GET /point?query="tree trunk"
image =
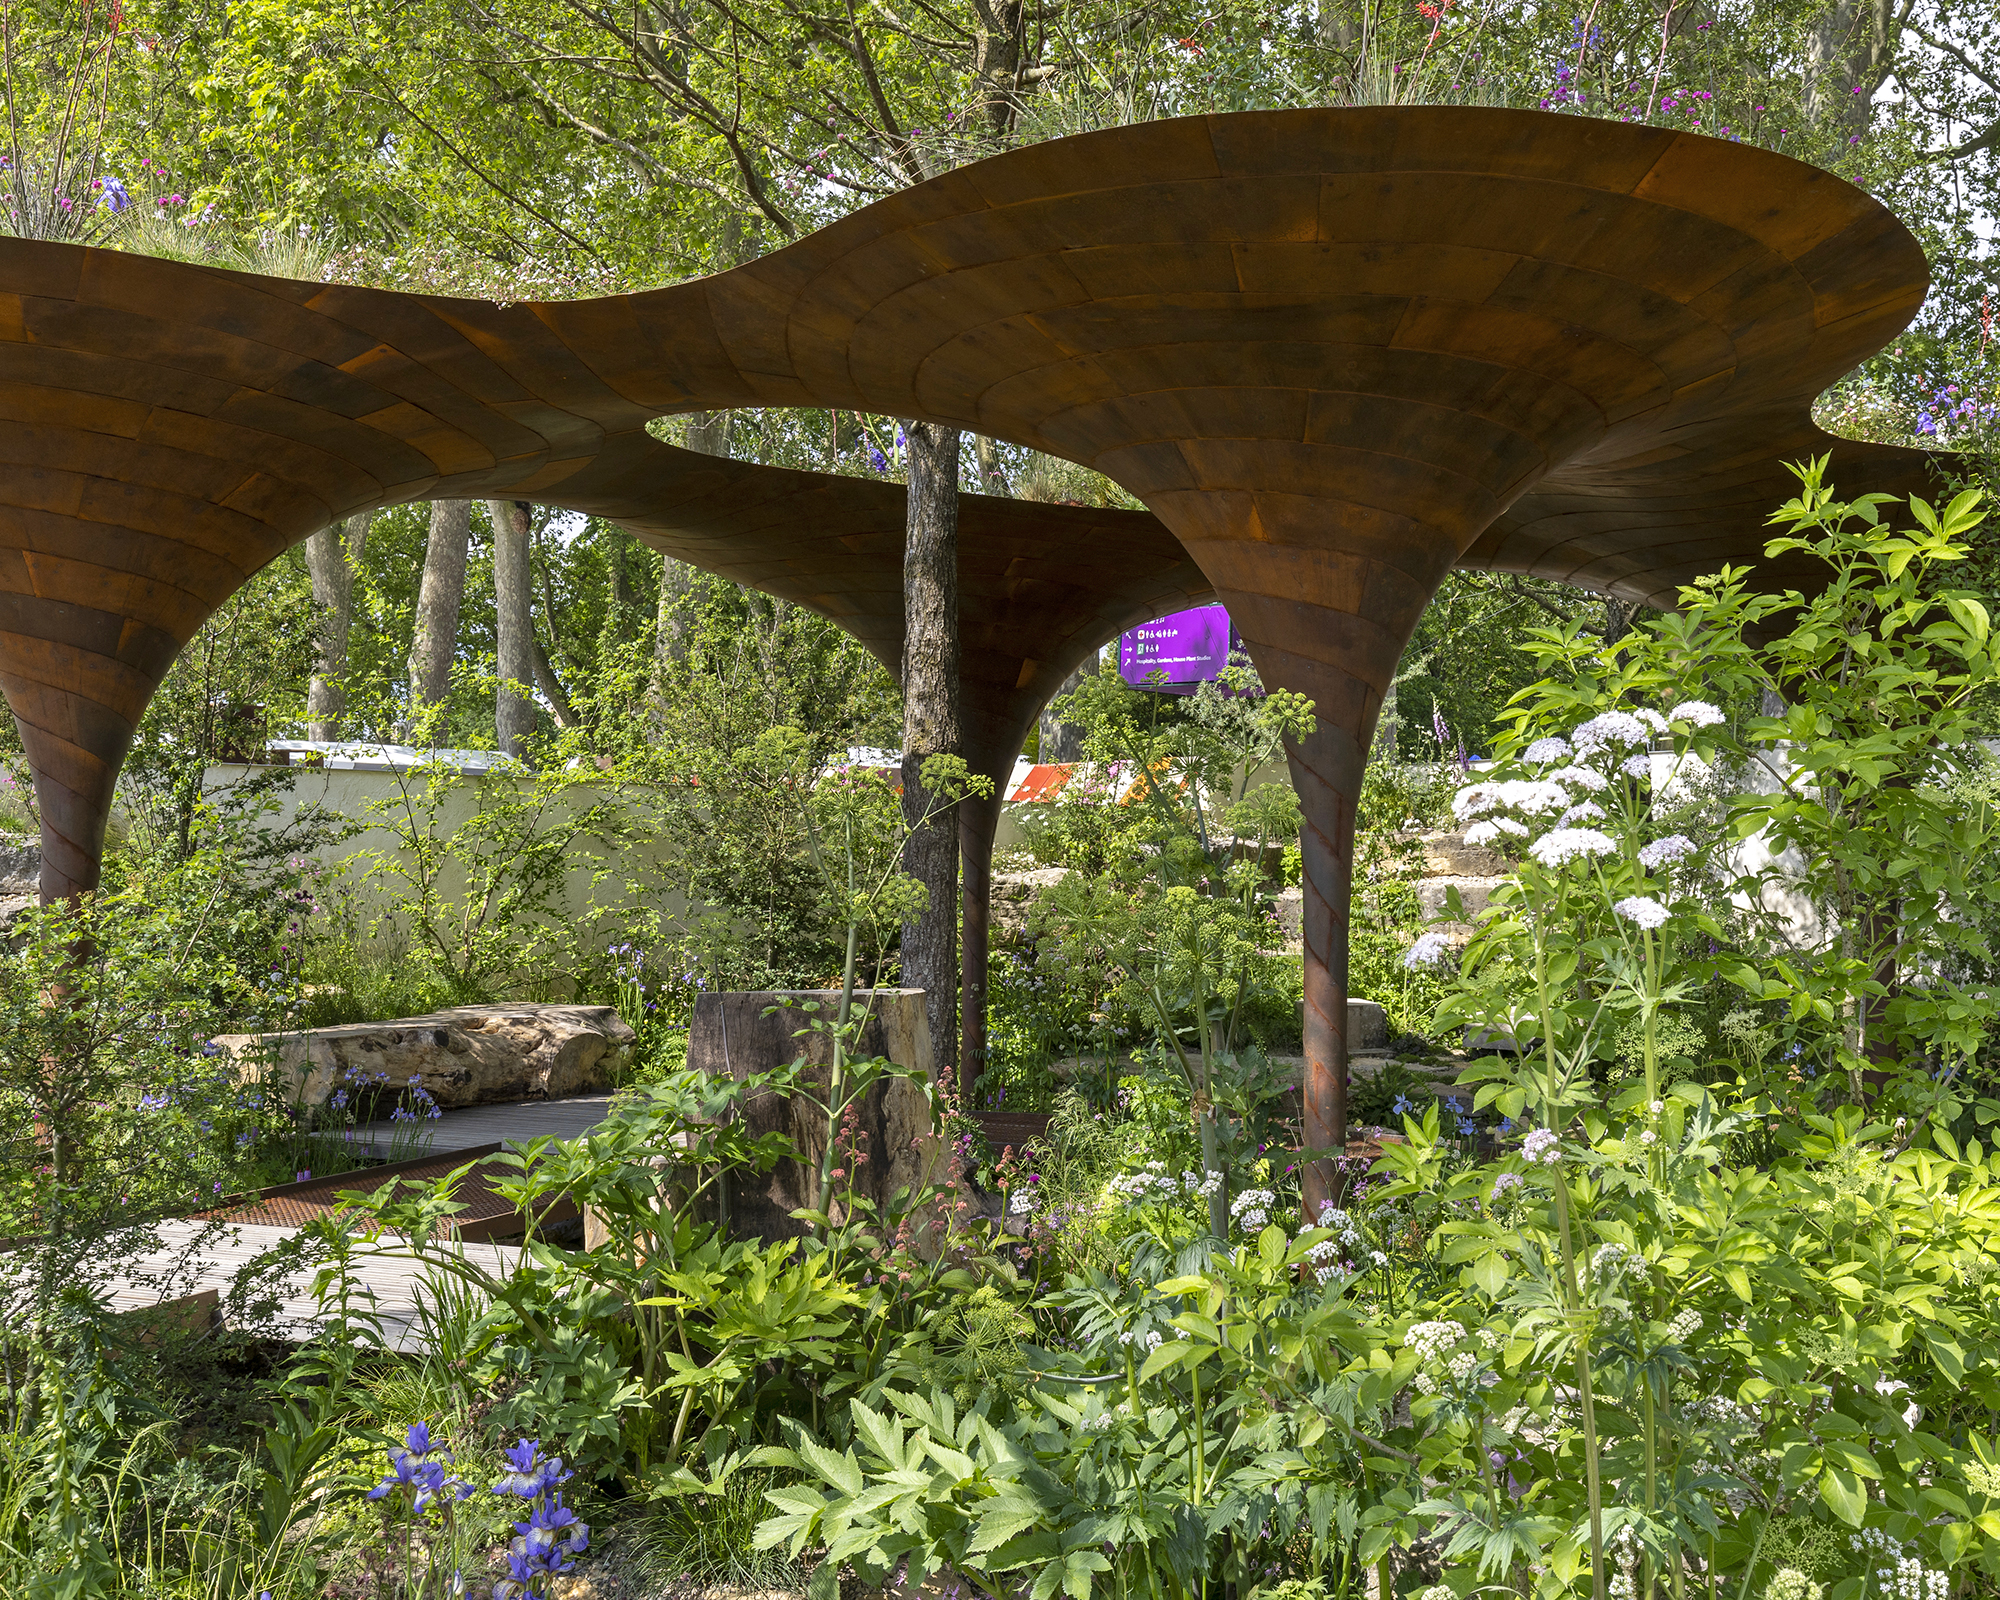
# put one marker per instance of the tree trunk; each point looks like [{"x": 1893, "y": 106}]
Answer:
[
  {"x": 1618, "y": 615},
  {"x": 708, "y": 432},
  {"x": 443, "y": 588},
  {"x": 332, "y": 554},
  {"x": 992, "y": 475},
  {"x": 1061, "y": 741},
  {"x": 513, "y": 706},
  {"x": 1853, "y": 46},
  {"x": 931, "y": 726},
  {"x": 996, "y": 66},
  {"x": 551, "y": 685}
]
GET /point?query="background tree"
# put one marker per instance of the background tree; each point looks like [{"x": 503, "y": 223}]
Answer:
[{"x": 331, "y": 557}]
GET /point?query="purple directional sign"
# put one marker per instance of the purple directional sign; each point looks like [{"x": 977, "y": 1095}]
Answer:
[{"x": 1190, "y": 647}]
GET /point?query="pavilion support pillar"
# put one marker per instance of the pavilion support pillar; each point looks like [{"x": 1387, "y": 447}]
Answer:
[{"x": 1332, "y": 626}]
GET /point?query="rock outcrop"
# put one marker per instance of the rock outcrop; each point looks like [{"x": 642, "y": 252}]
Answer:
[
  {"x": 1015, "y": 895},
  {"x": 467, "y": 1056}
]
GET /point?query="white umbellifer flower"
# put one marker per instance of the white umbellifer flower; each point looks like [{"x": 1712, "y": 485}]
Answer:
[
  {"x": 1684, "y": 1327},
  {"x": 1474, "y": 800},
  {"x": 1437, "y": 1591},
  {"x": 1610, "y": 728},
  {"x": 1426, "y": 1384},
  {"x": 1652, "y": 719},
  {"x": 1022, "y": 1203},
  {"x": 1655, "y": 1107},
  {"x": 1430, "y": 950},
  {"x": 1564, "y": 845},
  {"x": 1589, "y": 811},
  {"x": 1546, "y": 750},
  {"x": 1509, "y": 825},
  {"x": 1432, "y": 1340},
  {"x": 1647, "y": 913},
  {"x": 1609, "y": 1260},
  {"x": 1488, "y": 1339},
  {"x": 1649, "y": 1138},
  {"x": 1543, "y": 1146},
  {"x": 1537, "y": 799},
  {"x": 1481, "y": 833},
  {"x": 1581, "y": 777},
  {"x": 1696, "y": 713},
  {"x": 1252, "y": 1208},
  {"x": 1209, "y": 1185},
  {"x": 1638, "y": 766},
  {"x": 1665, "y": 852},
  {"x": 1462, "y": 1366}
]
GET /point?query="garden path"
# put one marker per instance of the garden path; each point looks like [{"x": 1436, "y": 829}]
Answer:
[{"x": 197, "y": 1258}]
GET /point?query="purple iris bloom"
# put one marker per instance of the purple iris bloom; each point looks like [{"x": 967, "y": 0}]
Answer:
[
  {"x": 529, "y": 1472},
  {"x": 1925, "y": 424}
]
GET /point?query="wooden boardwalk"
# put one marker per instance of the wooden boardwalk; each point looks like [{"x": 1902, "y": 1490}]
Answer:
[{"x": 197, "y": 1256}]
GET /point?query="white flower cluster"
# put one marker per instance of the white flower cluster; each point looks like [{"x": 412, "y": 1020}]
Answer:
[
  {"x": 1151, "y": 1182},
  {"x": 1615, "y": 1261},
  {"x": 1542, "y": 1146},
  {"x": 1105, "y": 1420},
  {"x": 1901, "y": 1576},
  {"x": 1325, "y": 1256},
  {"x": 1646, "y": 912},
  {"x": 1609, "y": 729},
  {"x": 1431, "y": 1340},
  {"x": 1022, "y": 1203},
  {"x": 1696, "y": 714},
  {"x": 1152, "y": 1341},
  {"x": 1251, "y": 1210},
  {"x": 1430, "y": 950},
  {"x": 1536, "y": 797},
  {"x": 1588, "y": 778},
  {"x": 1684, "y": 1327},
  {"x": 1543, "y": 751},
  {"x": 1564, "y": 845},
  {"x": 1665, "y": 852},
  {"x": 1788, "y": 1583}
]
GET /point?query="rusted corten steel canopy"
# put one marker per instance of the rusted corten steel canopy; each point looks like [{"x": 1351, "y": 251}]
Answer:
[{"x": 1335, "y": 351}]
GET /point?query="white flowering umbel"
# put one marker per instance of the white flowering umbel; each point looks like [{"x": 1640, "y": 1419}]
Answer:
[
  {"x": 1898, "y": 1574},
  {"x": 1251, "y": 1210},
  {"x": 1788, "y": 1583}
]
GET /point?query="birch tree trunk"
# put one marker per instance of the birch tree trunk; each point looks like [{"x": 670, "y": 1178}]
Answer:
[
  {"x": 708, "y": 432},
  {"x": 438, "y": 599},
  {"x": 931, "y": 726},
  {"x": 514, "y": 705},
  {"x": 332, "y": 554}
]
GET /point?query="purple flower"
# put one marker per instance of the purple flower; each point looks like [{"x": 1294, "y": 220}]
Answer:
[
  {"x": 529, "y": 1472},
  {"x": 1925, "y": 425}
]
